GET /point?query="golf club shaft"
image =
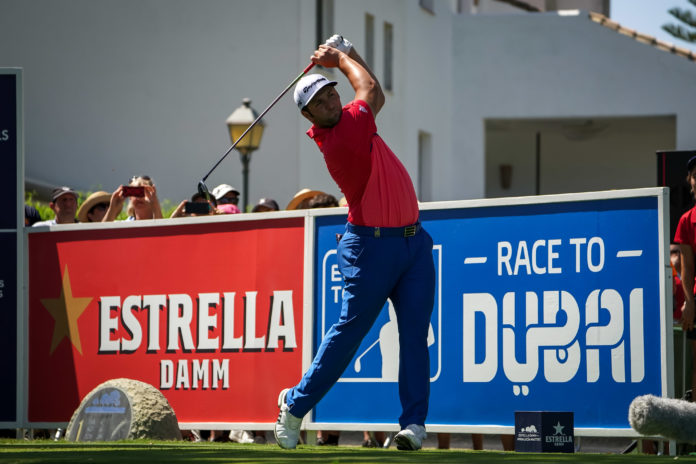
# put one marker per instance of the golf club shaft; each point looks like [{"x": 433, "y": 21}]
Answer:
[{"x": 306, "y": 70}]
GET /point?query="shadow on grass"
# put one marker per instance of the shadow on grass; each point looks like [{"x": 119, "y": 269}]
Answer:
[{"x": 208, "y": 453}]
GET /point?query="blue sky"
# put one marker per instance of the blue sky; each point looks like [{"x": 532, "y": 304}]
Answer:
[{"x": 648, "y": 16}]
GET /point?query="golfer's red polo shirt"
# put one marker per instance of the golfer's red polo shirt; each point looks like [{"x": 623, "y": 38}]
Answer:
[{"x": 376, "y": 185}]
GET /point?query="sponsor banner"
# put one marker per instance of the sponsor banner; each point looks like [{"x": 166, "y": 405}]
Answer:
[
  {"x": 9, "y": 273},
  {"x": 544, "y": 431},
  {"x": 8, "y": 327},
  {"x": 8, "y": 150},
  {"x": 554, "y": 306},
  {"x": 210, "y": 313}
]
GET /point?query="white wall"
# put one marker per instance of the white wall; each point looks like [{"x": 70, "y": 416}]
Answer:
[
  {"x": 121, "y": 87},
  {"x": 116, "y": 88},
  {"x": 584, "y": 70},
  {"x": 427, "y": 95}
]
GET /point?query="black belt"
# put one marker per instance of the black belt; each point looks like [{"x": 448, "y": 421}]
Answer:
[{"x": 377, "y": 232}]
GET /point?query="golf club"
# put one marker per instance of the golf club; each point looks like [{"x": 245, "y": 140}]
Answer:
[{"x": 202, "y": 188}]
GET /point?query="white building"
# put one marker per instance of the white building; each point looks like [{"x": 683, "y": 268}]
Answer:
[{"x": 556, "y": 101}]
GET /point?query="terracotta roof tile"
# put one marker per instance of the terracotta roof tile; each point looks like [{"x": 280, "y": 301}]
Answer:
[{"x": 643, "y": 38}]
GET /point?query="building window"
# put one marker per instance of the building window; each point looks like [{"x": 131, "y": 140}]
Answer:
[
  {"x": 427, "y": 5},
  {"x": 325, "y": 23},
  {"x": 425, "y": 167},
  {"x": 388, "y": 57},
  {"x": 370, "y": 40}
]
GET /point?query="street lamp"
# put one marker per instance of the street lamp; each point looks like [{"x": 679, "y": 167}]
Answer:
[{"x": 238, "y": 122}]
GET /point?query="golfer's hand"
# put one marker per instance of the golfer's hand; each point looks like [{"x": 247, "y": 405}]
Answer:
[
  {"x": 326, "y": 56},
  {"x": 340, "y": 43},
  {"x": 688, "y": 315}
]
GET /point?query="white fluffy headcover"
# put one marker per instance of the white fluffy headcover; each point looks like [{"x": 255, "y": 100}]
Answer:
[{"x": 675, "y": 419}]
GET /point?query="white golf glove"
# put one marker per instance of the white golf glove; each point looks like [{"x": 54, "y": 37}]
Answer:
[{"x": 339, "y": 43}]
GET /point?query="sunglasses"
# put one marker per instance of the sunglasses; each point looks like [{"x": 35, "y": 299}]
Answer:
[
  {"x": 139, "y": 177},
  {"x": 224, "y": 200}
]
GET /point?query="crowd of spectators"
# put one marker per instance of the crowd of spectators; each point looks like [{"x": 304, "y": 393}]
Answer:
[{"x": 140, "y": 199}]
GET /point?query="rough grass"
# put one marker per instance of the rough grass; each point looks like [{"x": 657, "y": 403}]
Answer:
[{"x": 134, "y": 452}]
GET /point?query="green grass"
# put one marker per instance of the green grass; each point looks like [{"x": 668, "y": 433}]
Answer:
[{"x": 134, "y": 452}]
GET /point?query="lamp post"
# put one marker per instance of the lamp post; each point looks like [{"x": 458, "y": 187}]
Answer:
[{"x": 237, "y": 123}]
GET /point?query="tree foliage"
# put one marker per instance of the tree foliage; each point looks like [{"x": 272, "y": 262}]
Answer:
[{"x": 687, "y": 29}]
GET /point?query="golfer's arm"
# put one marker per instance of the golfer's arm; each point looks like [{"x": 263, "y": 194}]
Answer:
[{"x": 363, "y": 81}]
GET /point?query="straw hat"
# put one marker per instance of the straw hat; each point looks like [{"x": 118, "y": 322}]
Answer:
[
  {"x": 91, "y": 201},
  {"x": 303, "y": 195}
]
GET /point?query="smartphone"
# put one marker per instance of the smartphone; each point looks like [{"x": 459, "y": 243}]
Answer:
[
  {"x": 131, "y": 191},
  {"x": 196, "y": 207}
]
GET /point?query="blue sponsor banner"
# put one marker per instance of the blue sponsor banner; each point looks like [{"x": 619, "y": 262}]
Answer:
[{"x": 539, "y": 307}]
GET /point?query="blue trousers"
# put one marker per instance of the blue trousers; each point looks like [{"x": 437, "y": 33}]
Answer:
[{"x": 374, "y": 269}]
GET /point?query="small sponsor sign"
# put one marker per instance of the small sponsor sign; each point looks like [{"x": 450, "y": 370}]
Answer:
[
  {"x": 544, "y": 431},
  {"x": 105, "y": 416}
]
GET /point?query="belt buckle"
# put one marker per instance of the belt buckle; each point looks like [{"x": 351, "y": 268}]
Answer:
[{"x": 410, "y": 231}]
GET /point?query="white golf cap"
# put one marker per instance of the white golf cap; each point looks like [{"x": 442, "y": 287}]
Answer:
[
  {"x": 308, "y": 86},
  {"x": 222, "y": 189}
]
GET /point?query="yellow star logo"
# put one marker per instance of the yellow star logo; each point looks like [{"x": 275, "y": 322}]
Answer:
[{"x": 65, "y": 310}]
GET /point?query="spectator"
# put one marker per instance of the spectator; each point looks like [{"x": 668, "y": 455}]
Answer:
[
  {"x": 226, "y": 194},
  {"x": 677, "y": 290},
  {"x": 685, "y": 236},
  {"x": 139, "y": 208},
  {"x": 323, "y": 200},
  {"x": 31, "y": 215},
  {"x": 64, "y": 205},
  {"x": 197, "y": 197},
  {"x": 227, "y": 208},
  {"x": 508, "y": 441},
  {"x": 227, "y": 198},
  {"x": 374, "y": 439},
  {"x": 302, "y": 198},
  {"x": 94, "y": 207},
  {"x": 264, "y": 205}
]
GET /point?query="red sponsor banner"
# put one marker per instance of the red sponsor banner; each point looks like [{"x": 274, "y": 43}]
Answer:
[{"x": 209, "y": 313}]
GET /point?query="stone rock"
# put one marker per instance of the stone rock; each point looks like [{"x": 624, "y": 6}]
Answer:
[{"x": 123, "y": 409}]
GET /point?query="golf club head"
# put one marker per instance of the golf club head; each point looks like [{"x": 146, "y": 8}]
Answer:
[{"x": 203, "y": 190}]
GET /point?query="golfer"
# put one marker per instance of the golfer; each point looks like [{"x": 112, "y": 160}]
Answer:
[{"x": 384, "y": 253}]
